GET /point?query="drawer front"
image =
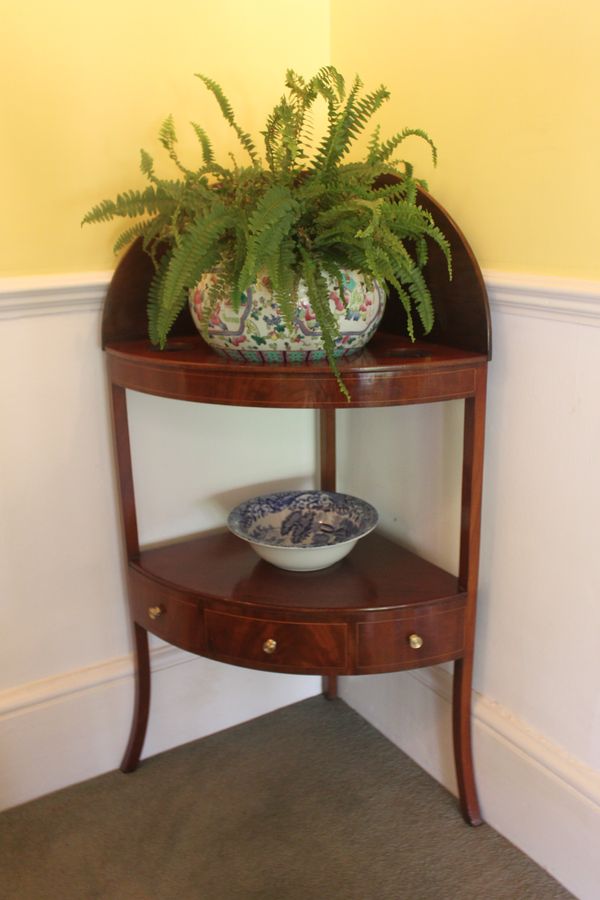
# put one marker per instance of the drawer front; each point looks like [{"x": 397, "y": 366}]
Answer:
[
  {"x": 280, "y": 646},
  {"x": 422, "y": 639},
  {"x": 171, "y": 615}
]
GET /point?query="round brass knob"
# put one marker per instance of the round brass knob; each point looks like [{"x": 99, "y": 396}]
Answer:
[
  {"x": 270, "y": 646},
  {"x": 415, "y": 641},
  {"x": 155, "y": 611}
]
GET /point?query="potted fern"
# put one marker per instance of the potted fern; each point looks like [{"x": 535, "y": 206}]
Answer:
[{"x": 267, "y": 248}]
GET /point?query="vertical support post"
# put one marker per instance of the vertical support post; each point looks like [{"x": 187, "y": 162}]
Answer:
[
  {"x": 327, "y": 456},
  {"x": 472, "y": 483},
  {"x": 327, "y": 481},
  {"x": 124, "y": 470},
  {"x": 130, "y": 533}
]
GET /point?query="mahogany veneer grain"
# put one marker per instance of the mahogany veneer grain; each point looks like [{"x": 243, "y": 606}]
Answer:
[{"x": 389, "y": 372}]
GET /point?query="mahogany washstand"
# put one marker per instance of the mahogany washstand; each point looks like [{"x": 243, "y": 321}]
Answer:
[{"x": 382, "y": 609}]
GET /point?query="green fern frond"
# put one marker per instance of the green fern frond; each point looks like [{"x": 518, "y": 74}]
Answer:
[
  {"x": 267, "y": 226},
  {"x": 281, "y": 268},
  {"x": 375, "y": 211},
  {"x": 421, "y": 296},
  {"x": 422, "y": 251},
  {"x": 335, "y": 142},
  {"x": 167, "y": 135},
  {"x": 408, "y": 273},
  {"x": 147, "y": 165},
  {"x": 306, "y": 133},
  {"x": 389, "y": 192},
  {"x": 330, "y": 83},
  {"x": 437, "y": 235},
  {"x": 336, "y": 277},
  {"x": 404, "y": 218},
  {"x": 207, "y": 151},
  {"x": 352, "y": 120},
  {"x": 168, "y": 139},
  {"x": 302, "y": 96},
  {"x": 225, "y": 106},
  {"x": 281, "y": 137},
  {"x": 154, "y": 298},
  {"x": 302, "y": 92},
  {"x": 385, "y": 150},
  {"x": 196, "y": 253},
  {"x": 374, "y": 145},
  {"x": 410, "y": 186},
  {"x": 335, "y": 214},
  {"x": 131, "y": 234},
  {"x": 295, "y": 83},
  {"x": 318, "y": 295},
  {"x": 128, "y": 205},
  {"x": 382, "y": 262},
  {"x": 406, "y": 302},
  {"x": 156, "y": 235}
]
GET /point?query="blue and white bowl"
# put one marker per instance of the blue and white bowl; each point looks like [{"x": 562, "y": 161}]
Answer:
[{"x": 302, "y": 531}]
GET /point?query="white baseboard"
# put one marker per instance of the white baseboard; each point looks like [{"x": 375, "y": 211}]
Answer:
[
  {"x": 63, "y": 730},
  {"x": 531, "y": 791}
]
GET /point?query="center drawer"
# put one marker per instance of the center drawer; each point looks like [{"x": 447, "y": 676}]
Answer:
[{"x": 301, "y": 647}]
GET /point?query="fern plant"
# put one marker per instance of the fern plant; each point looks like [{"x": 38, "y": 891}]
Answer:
[{"x": 304, "y": 212}]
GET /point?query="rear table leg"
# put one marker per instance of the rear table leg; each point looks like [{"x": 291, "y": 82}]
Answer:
[{"x": 330, "y": 687}]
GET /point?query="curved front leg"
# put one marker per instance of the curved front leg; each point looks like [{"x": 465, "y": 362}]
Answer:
[
  {"x": 463, "y": 753},
  {"x": 472, "y": 482},
  {"x": 142, "y": 700}
]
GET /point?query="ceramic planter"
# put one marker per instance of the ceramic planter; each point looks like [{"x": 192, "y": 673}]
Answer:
[{"x": 257, "y": 332}]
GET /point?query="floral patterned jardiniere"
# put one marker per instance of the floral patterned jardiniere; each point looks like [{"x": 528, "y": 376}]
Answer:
[{"x": 257, "y": 332}]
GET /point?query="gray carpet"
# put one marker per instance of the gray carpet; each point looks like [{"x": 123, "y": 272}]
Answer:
[{"x": 307, "y": 803}]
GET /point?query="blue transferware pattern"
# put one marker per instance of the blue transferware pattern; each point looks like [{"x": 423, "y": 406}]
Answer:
[
  {"x": 257, "y": 333},
  {"x": 302, "y": 519}
]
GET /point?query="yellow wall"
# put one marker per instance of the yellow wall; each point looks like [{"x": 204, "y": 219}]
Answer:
[
  {"x": 86, "y": 85},
  {"x": 510, "y": 91}
]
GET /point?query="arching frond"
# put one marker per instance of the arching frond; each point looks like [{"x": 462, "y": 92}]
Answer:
[{"x": 225, "y": 106}]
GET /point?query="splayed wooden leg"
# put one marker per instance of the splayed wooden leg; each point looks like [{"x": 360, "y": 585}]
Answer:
[
  {"x": 142, "y": 700},
  {"x": 463, "y": 753}
]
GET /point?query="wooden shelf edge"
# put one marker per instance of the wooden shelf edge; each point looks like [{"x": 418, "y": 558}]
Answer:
[{"x": 378, "y": 579}]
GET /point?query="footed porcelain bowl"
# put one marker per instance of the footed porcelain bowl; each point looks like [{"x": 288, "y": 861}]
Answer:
[{"x": 302, "y": 531}]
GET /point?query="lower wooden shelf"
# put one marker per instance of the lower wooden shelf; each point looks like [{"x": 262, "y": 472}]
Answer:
[{"x": 380, "y": 609}]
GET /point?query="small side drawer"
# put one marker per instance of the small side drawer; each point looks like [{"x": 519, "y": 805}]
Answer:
[
  {"x": 421, "y": 639},
  {"x": 281, "y": 646},
  {"x": 169, "y": 614}
]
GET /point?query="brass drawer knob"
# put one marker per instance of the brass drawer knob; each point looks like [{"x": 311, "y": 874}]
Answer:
[
  {"x": 155, "y": 611},
  {"x": 415, "y": 641},
  {"x": 270, "y": 646}
]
